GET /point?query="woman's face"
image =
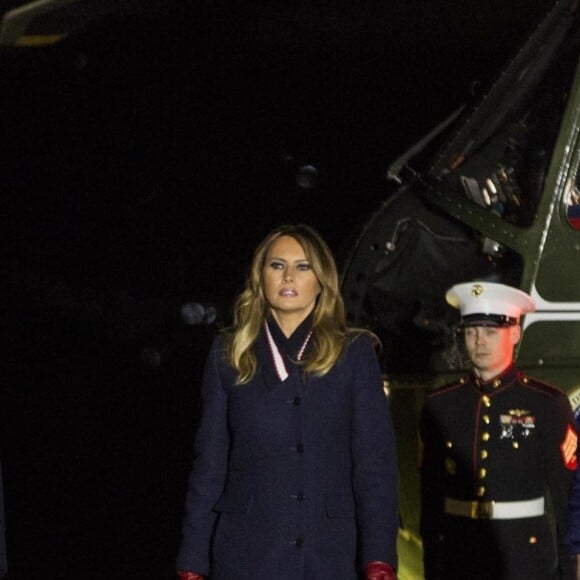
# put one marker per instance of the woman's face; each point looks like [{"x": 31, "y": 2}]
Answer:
[{"x": 290, "y": 286}]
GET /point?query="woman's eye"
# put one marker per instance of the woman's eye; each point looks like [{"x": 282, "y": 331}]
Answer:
[
  {"x": 304, "y": 266},
  {"x": 276, "y": 265}
]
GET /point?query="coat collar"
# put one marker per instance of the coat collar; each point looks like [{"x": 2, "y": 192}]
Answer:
[
  {"x": 290, "y": 346},
  {"x": 278, "y": 354}
]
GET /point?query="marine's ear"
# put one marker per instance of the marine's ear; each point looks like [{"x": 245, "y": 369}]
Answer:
[{"x": 515, "y": 333}]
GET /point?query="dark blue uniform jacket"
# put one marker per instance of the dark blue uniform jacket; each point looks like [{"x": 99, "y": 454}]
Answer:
[
  {"x": 294, "y": 479},
  {"x": 510, "y": 439}
]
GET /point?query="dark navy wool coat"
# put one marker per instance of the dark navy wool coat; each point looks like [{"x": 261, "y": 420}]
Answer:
[{"x": 294, "y": 479}]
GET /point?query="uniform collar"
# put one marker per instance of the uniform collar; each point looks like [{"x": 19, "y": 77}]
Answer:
[{"x": 504, "y": 379}]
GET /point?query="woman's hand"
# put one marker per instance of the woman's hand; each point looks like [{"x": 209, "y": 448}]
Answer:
[
  {"x": 189, "y": 575},
  {"x": 380, "y": 571}
]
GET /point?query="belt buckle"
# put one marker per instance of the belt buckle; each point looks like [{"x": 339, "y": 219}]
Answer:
[{"x": 482, "y": 510}]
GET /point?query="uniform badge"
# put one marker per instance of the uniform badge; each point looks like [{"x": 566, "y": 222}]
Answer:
[
  {"x": 568, "y": 448},
  {"x": 528, "y": 425},
  {"x": 517, "y": 422},
  {"x": 507, "y": 429}
]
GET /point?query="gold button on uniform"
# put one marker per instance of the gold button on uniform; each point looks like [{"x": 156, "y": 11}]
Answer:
[
  {"x": 483, "y": 454},
  {"x": 450, "y": 466},
  {"x": 482, "y": 473},
  {"x": 449, "y": 444},
  {"x": 480, "y": 491},
  {"x": 533, "y": 540},
  {"x": 515, "y": 444},
  {"x": 525, "y": 380},
  {"x": 485, "y": 436},
  {"x": 486, "y": 401},
  {"x": 496, "y": 383},
  {"x": 486, "y": 419}
]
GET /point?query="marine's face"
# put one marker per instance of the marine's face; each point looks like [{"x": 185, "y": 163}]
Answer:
[
  {"x": 490, "y": 348},
  {"x": 290, "y": 285}
]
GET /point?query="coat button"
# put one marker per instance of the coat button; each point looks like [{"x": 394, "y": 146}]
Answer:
[
  {"x": 299, "y": 448},
  {"x": 299, "y": 496},
  {"x": 298, "y": 542},
  {"x": 296, "y": 401}
]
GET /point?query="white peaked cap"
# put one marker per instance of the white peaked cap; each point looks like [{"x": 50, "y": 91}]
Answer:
[{"x": 480, "y": 300}]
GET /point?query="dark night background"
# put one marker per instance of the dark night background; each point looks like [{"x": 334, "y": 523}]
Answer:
[{"x": 142, "y": 159}]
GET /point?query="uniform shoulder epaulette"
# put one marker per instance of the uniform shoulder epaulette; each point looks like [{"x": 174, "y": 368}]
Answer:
[
  {"x": 539, "y": 385},
  {"x": 447, "y": 388}
]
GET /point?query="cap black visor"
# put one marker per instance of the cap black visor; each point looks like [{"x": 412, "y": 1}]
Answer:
[{"x": 497, "y": 320}]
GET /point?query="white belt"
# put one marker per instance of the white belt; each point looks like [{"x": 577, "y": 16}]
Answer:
[{"x": 495, "y": 510}]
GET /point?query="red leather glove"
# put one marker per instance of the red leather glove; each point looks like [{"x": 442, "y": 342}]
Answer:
[
  {"x": 189, "y": 575},
  {"x": 380, "y": 571}
]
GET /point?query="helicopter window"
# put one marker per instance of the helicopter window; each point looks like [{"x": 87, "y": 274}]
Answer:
[{"x": 500, "y": 160}]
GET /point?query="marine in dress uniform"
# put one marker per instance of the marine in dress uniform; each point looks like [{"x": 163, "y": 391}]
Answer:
[{"x": 498, "y": 455}]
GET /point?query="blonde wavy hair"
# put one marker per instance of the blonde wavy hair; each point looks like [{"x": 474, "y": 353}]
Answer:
[{"x": 251, "y": 308}]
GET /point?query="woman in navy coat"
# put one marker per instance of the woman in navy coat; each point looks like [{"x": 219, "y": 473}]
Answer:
[{"x": 295, "y": 470}]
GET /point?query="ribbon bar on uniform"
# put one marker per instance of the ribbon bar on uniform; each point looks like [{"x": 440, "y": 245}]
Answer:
[{"x": 495, "y": 510}]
